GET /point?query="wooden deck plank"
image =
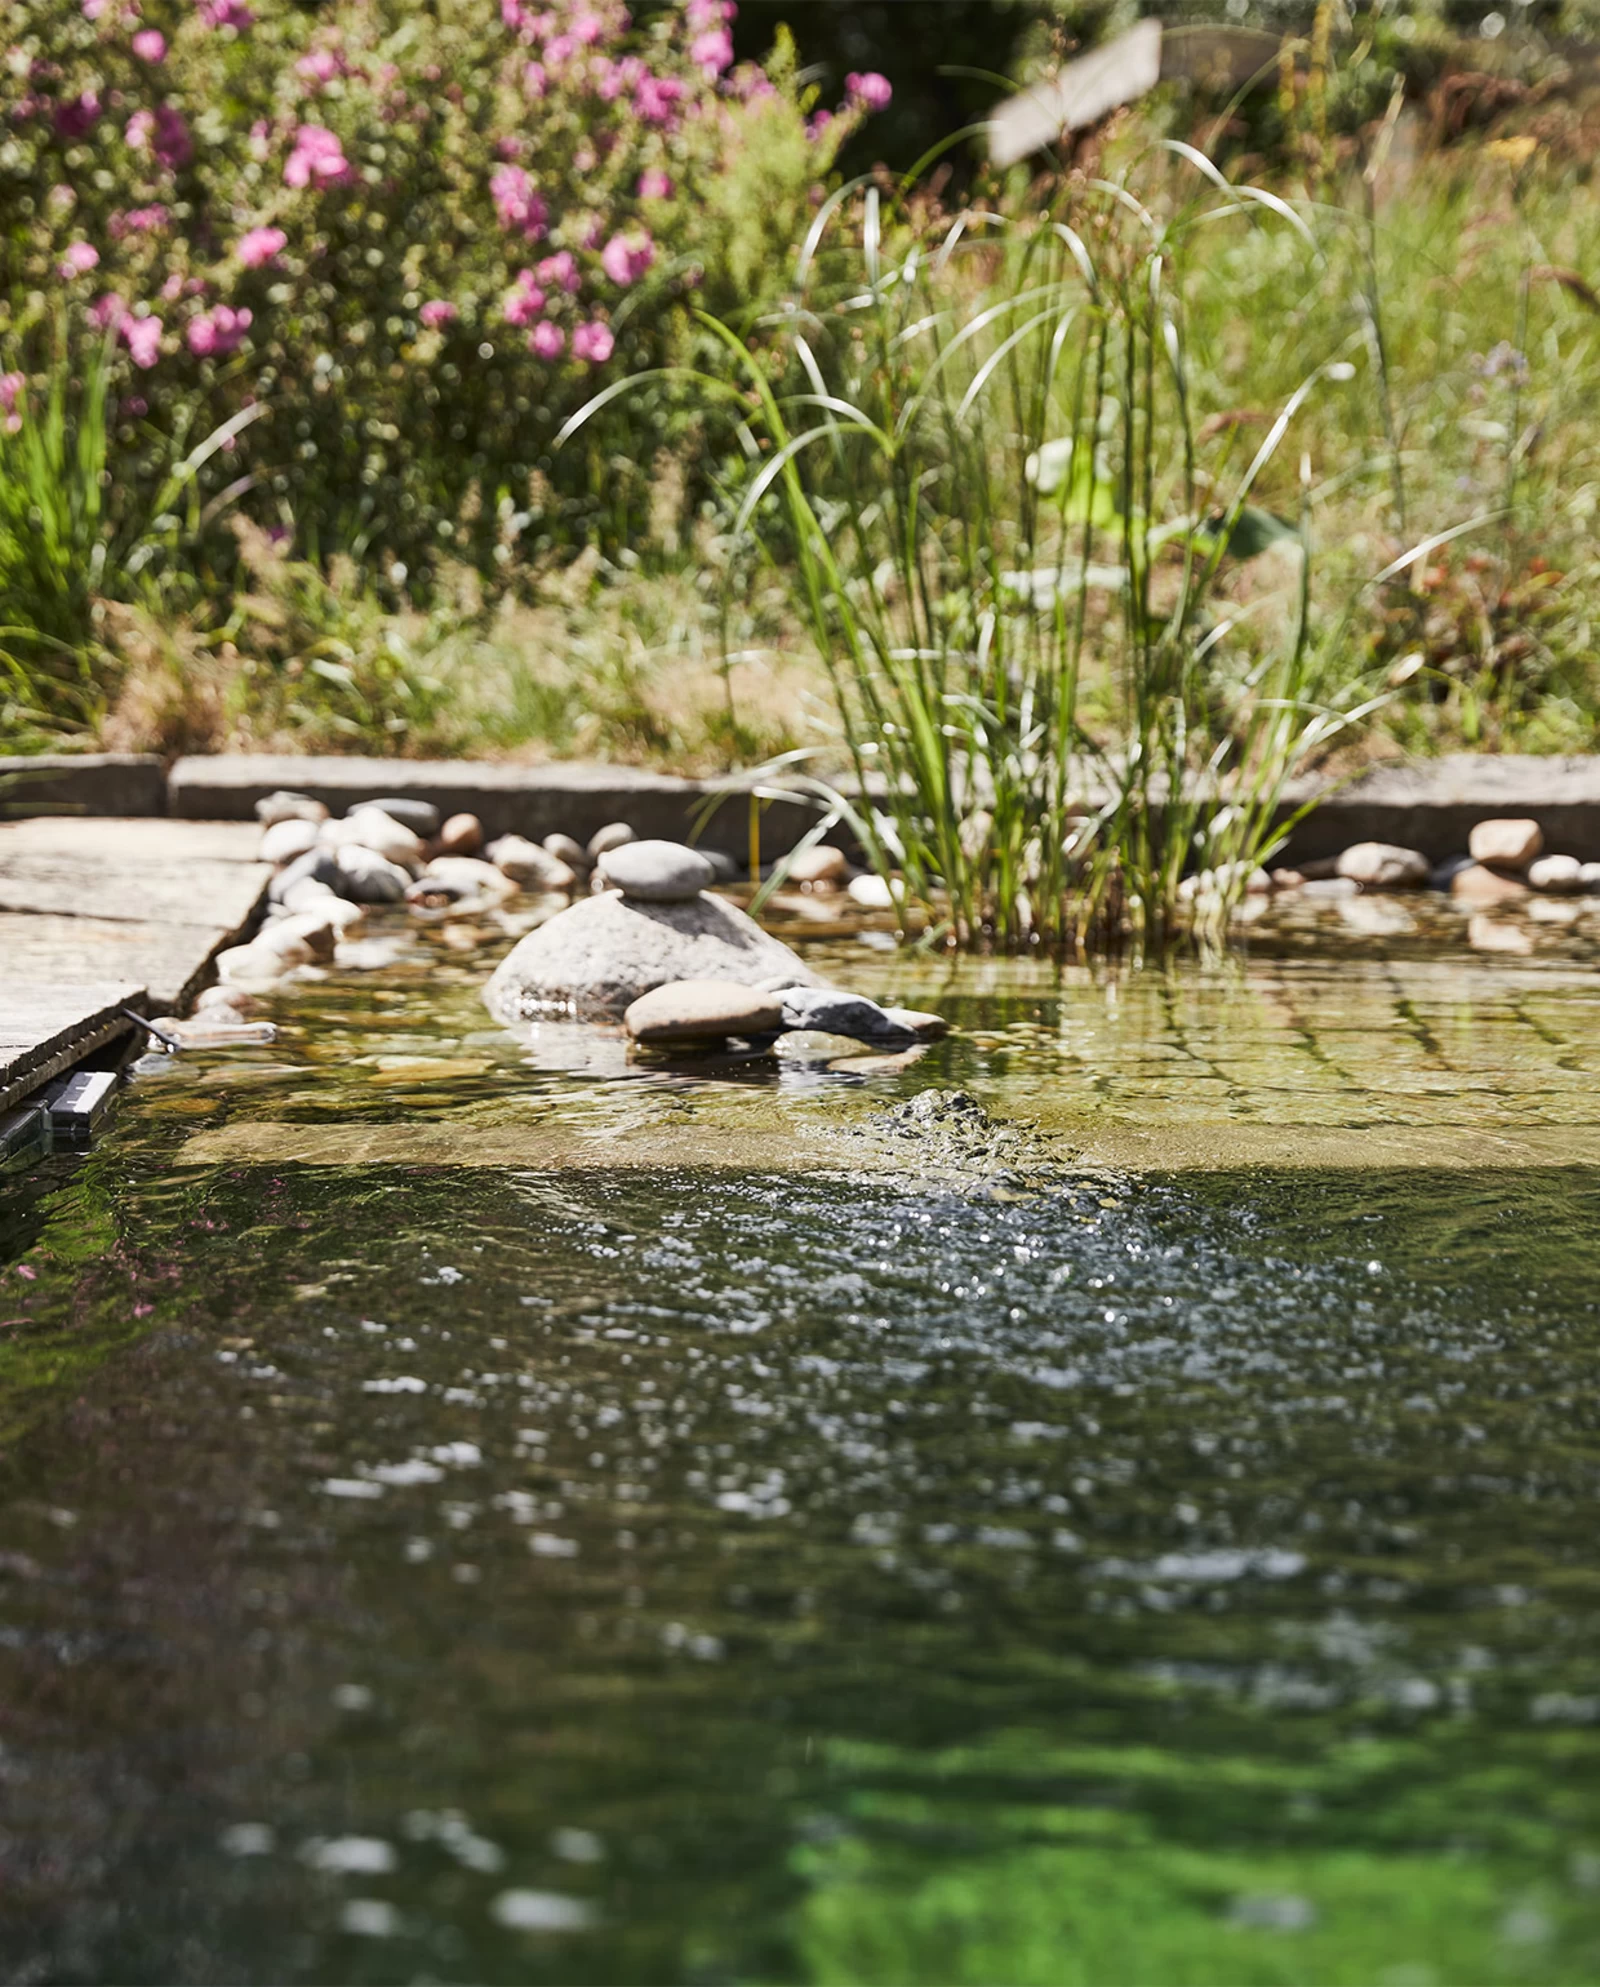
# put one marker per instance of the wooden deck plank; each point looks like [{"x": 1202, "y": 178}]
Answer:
[{"x": 47, "y": 1026}]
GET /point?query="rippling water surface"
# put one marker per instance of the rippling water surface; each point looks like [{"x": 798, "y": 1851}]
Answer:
[{"x": 453, "y": 1568}]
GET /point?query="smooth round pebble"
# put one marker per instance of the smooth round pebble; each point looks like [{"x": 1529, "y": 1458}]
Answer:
[
  {"x": 1383, "y": 866},
  {"x": 461, "y": 835},
  {"x": 528, "y": 865},
  {"x": 1558, "y": 873},
  {"x": 1506, "y": 844},
  {"x": 371, "y": 828},
  {"x": 824, "y": 866},
  {"x": 656, "y": 872},
  {"x": 872, "y": 893},
  {"x": 573, "y": 854},
  {"x": 276, "y": 807},
  {"x": 284, "y": 841},
  {"x": 611, "y": 836},
  {"x": 918, "y": 1022},
  {"x": 702, "y": 1010}
]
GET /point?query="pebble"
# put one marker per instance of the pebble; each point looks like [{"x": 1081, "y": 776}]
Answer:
[
  {"x": 420, "y": 816},
  {"x": 872, "y": 893},
  {"x": 1383, "y": 866},
  {"x": 370, "y": 878},
  {"x": 1478, "y": 885},
  {"x": 1329, "y": 887},
  {"x": 276, "y": 807},
  {"x": 820, "y": 867},
  {"x": 1286, "y": 879},
  {"x": 315, "y": 866},
  {"x": 257, "y": 965},
  {"x": 371, "y": 828},
  {"x": 461, "y": 835},
  {"x": 824, "y": 1010},
  {"x": 702, "y": 1010},
  {"x": 816, "y": 1045},
  {"x": 1559, "y": 873},
  {"x": 612, "y": 836},
  {"x": 573, "y": 854},
  {"x": 1510, "y": 844},
  {"x": 656, "y": 872},
  {"x": 220, "y": 1028},
  {"x": 530, "y": 866},
  {"x": 307, "y": 931},
  {"x": 1591, "y": 878},
  {"x": 285, "y": 840}
]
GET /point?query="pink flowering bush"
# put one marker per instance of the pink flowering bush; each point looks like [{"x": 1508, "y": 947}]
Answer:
[{"x": 420, "y": 238}]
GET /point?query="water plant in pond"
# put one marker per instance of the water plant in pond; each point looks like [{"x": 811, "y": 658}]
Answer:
[{"x": 974, "y": 449}]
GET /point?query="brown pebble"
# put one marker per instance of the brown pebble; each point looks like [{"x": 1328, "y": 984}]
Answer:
[{"x": 461, "y": 835}]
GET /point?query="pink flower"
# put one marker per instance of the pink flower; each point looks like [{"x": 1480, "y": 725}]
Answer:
[
  {"x": 517, "y": 204},
  {"x": 625, "y": 258},
  {"x": 11, "y": 386},
  {"x": 150, "y": 45},
  {"x": 321, "y": 65},
  {"x": 560, "y": 51},
  {"x": 547, "y": 340},
  {"x": 79, "y": 259},
  {"x": 524, "y": 301},
  {"x": 654, "y": 98},
  {"x": 61, "y": 199},
  {"x": 216, "y": 333},
  {"x": 137, "y": 221},
  {"x": 817, "y": 123},
  {"x": 163, "y": 133},
  {"x": 318, "y": 156},
  {"x": 712, "y": 51},
  {"x": 560, "y": 271},
  {"x": 260, "y": 246},
  {"x": 107, "y": 312},
  {"x": 593, "y": 342},
  {"x": 708, "y": 13},
  {"x": 77, "y": 115},
  {"x": 534, "y": 81},
  {"x": 655, "y": 185},
  {"x": 142, "y": 336},
  {"x": 617, "y": 79},
  {"x": 867, "y": 90},
  {"x": 436, "y": 313},
  {"x": 587, "y": 28},
  {"x": 225, "y": 14}
]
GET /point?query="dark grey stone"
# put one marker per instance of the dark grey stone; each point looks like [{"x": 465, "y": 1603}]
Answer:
[
  {"x": 317, "y": 866},
  {"x": 822, "y": 1010}
]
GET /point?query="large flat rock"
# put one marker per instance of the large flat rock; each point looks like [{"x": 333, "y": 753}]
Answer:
[{"x": 148, "y": 902}]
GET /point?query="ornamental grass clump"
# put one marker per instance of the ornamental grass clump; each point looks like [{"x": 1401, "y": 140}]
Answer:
[{"x": 977, "y": 449}]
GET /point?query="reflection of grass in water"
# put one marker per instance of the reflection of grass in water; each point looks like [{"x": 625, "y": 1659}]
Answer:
[{"x": 1457, "y": 1881}]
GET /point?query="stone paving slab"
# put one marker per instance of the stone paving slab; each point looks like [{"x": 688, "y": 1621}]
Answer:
[
  {"x": 81, "y": 783},
  {"x": 48, "y": 1025},
  {"x": 1433, "y": 804},
  {"x": 145, "y": 901}
]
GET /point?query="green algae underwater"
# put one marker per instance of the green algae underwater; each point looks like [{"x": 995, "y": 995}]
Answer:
[{"x": 602, "y": 1564}]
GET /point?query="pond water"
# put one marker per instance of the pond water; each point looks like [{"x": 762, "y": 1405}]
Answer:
[{"x": 471, "y": 1510}]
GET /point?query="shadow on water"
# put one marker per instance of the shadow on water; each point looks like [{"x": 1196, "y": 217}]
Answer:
[{"x": 656, "y": 1575}]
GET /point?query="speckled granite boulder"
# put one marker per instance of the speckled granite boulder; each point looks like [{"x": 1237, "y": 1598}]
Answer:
[{"x": 592, "y": 960}]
